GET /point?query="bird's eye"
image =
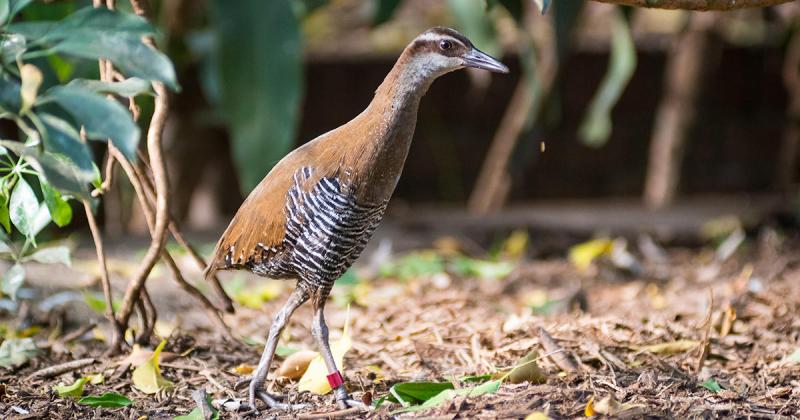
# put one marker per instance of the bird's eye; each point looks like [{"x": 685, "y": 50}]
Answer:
[{"x": 445, "y": 45}]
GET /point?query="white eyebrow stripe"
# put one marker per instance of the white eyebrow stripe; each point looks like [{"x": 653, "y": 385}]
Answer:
[{"x": 432, "y": 36}]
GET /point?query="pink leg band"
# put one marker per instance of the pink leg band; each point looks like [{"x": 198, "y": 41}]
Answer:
[{"x": 335, "y": 380}]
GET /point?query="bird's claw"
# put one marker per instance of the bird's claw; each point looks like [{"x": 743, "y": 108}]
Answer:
[
  {"x": 272, "y": 403},
  {"x": 351, "y": 403}
]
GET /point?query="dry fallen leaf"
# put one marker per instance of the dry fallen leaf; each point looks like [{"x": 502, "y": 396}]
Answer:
[
  {"x": 526, "y": 370},
  {"x": 537, "y": 415},
  {"x": 147, "y": 376},
  {"x": 583, "y": 254},
  {"x": 296, "y": 364},
  {"x": 611, "y": 407},
  {"x": 588, "y": 411},
  {"x": 670, "y": 348},
  {"x": 244, "y": 369},
  {"x": 315, "y": 378}
]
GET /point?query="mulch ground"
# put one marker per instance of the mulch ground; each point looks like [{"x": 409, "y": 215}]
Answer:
[{"x": 637, "y": 341}]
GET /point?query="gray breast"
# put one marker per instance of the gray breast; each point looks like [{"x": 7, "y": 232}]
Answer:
[{"x": 326, "y": 227}]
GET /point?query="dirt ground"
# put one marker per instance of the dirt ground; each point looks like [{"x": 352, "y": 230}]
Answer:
[{"x": 636, "y": 340}]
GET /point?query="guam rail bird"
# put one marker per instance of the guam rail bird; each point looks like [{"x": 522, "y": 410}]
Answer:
[{"x": 314, "y": 212}]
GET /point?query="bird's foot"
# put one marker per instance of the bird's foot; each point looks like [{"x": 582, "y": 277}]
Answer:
[
  {"x": 351, "y": 403},
  {"x": 256, "y": 393}
]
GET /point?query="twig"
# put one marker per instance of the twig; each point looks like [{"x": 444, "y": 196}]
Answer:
[
  {"x": 71, "y": 336},
  {"x": 109, "y": 177},
  {"x": 101, "y": 260},
  {"x": 331, "y": 414},
  {"x": 173, "y": 228},
  {"x": 158, "y": 233},
  {"x": 201, "y": 399},
  {"x": 135, "y": 176},
  {"x": 56, "y": 370},
  {"x": 557, "y": 355},
  {"x": 705, "y": 345}
]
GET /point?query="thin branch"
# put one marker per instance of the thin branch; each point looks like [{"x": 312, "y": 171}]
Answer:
[
  {"x": 101, "y": 260},
  {"x": 155, "y": 151},
  {"x": 145, "y": 202},
  {"x": 175, "y": 231},
  {"x": 56, "y": 370},
  {"x": 701, "y": 5}
]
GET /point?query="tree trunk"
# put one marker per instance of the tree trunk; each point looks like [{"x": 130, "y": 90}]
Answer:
[{"x": 688, "y": 61}]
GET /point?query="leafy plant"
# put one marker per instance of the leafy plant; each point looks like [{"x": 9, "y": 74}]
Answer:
[{"x": 50, "y": 162}]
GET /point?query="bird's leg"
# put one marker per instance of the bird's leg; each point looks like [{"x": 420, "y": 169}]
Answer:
[
  {"x": 297, "y": 298},
  {"x": 319, "y": 329}
]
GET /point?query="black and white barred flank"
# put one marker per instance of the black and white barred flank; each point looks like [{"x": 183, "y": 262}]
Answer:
[{"x": 326, "y": 231}]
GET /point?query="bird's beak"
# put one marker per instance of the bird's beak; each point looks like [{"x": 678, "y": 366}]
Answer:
[{"x": 480, "y": 60}]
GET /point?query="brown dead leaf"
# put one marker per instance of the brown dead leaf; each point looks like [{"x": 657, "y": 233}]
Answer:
[
  {"x": 728, "y": 317},
  {"x": 611, "y": 407},
  {"x": 670, "y": 348},
  {"x": 138, "y": 355},
  {"x": 526, "y": 370},
  {"x": 296, "y": 364}
]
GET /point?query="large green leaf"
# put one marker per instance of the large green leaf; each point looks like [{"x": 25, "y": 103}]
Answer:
[
  {"x": 4, "y": 11},
  {"x": 471, "y": 18},
  {"x": 95, "y": 33},
  {"x": 9, "y": 93},
  {"x": 596, "y": 126},
  {"x": 128, "y": 88},
  {"x": 67, "y": 162},
  {"x": 23, "y": 208},
  {"x": 103, "y": 118},
  {"x": 260, "y": 69}
]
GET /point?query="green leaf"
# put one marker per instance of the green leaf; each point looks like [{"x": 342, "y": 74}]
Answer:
[
  {"x": 260, "y": 86},
  {"x": 107, "y": 400},
  {"x": 12, "y": 280},
  {"x": 284, "y": 351},
  {"x": 470, "y": 267},
  {"x": 15, "y": 352},
  {"x": 711, "y": 385},
  {"x": 5, "y": 219},
  {"x": 196, "y": 414},
  {"x": 15, "y": 6},
  {"x": 95, "y": 33},
  {"x": 51, "y": 255},
  {"x": 73, "y": 390},
  {"x": 490, "y": 387},
  {"x": 596, "y": 126},
  {"x": 103, "y": 118},
  {"x": 471, "y": 18},
  {"x": 97, "y": 303},
  {"x": 9, "y": 92},
  {"x": 128, "y": 88},
  {"x": 4, "y": 11},
  {"x": 384, "y": 10},
  {"x": 412, "y": 393},
  {"x": 11, "y": 47},
  {"x": 413, "y": 265},
  {"x": 60, "y": 210},
  {"x": 23, "y": 208}
]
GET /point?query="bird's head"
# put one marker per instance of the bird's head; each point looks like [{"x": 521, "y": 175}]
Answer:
[{"x": 441, "y": 50}]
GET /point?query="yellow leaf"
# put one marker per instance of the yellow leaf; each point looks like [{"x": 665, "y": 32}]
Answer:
[
  {"x": 589, "y": 410},
  {"x": 610, "y": 407},
  {"x": 526, "y": 370},
  {"x": 517, "y": 243},
  {"x": 164, "y": 329},
  {"x": 537, "y": 415},
  {"x": 265, "y": 292},
  {"x": 95, "y": 378},
  {"x": 315, "y": 379},
  {"x": 244, "y": 369},
  {"x": 147, "y": 376},
  {"x": 296, "y": 364},
  {"x": 671, "y": 347},
  {"x": 583, "y": 254},
  {"x": 31, "y": 80}
]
